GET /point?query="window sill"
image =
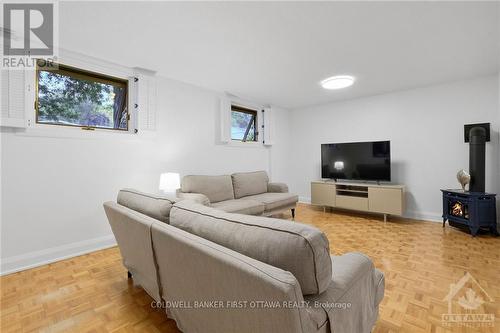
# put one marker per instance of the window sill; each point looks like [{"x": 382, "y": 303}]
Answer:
[
  {"x": 78, "y": 133},
  {"x": 240, "y": 144}
]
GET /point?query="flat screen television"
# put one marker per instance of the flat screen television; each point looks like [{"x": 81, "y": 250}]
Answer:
[{"x": 369, "y": 161}]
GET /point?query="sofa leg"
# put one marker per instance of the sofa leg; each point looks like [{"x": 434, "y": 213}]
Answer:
[
  {"x": 293, "y": 213},
  {"x": 129, "y": 275}
]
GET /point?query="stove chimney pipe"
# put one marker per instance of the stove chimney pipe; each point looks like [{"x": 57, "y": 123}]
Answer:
[{"x": 477, "y": 157}]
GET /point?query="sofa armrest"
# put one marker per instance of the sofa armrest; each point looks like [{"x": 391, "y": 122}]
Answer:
[
  {"x": 277, "y": 187},
  {"x": 197, "y": 197}
]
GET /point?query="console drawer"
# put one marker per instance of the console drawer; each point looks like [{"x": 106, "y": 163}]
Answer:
[
  {"x": 386, "y": 200},
  {"x": 349, "y": 202},
  {"x": 323, "y": 194}
]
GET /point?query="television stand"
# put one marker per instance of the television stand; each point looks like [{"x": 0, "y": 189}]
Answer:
[{"x": 386, "y": 199}]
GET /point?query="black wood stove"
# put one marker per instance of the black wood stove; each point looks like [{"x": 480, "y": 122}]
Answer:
[{"x": 475, "y": 210}]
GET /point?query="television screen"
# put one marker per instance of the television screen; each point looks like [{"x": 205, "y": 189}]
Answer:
[{"x": 356, "y": 161}]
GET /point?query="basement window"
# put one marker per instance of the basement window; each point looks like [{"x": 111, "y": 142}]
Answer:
[
  {"x": 68, "y": 96},
  {"x": 243, "y": 124}
]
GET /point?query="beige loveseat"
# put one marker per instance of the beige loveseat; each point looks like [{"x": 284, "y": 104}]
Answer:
[
  {"x": 248, "y": 193},
  {"x": 223, "y": 272}
]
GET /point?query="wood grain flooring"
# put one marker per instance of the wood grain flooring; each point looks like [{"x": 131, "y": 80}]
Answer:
[{"x": 91, "y": 293}]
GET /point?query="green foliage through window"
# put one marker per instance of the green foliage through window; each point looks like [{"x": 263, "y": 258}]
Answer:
[
  {"x": 73, "y": 97},
  {"x": 243, "y": 124}
]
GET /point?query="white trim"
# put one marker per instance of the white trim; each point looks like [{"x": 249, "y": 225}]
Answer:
[
  {"x": 77, "y": 133},
  {"x": 247, "y": 144},
  {"x": 39, "y": 258},
  {"x": 425, "y": 216},
  {"x": 306, "y": 200},
  {"x": 414, "y": 215}
]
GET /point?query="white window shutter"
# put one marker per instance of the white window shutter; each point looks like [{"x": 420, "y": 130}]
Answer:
[
  {"x": 13, "y": 91},
  {"x": 225, "y": 120},
  {"x": 146, "y": 102},
  {"x": 268, "y": 129}
]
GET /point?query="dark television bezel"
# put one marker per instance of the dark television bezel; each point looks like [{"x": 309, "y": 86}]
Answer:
[{"x": 358, "y": 179}]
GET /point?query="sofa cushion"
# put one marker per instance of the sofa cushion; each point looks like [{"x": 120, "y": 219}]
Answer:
[
  {"x": 240, "y": 206},
  {"x": 197, "y": 197},
  {"x": 249, "y": 183},
  {"x": 298, "y": 248},
  {"x": 155, "y": 206},
  {"x": 356, "y": 282},
  {"x": 274, "y": 201},
  {"x": 216, "y": 188}
]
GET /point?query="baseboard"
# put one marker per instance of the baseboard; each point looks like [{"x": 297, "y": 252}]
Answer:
[
  {"x": 306, "y": 200},
  {"x": 39, "y": 258},
  {"x": 425, "y": 216}
]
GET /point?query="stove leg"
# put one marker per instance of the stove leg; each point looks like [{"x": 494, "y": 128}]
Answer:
[
  {"x": 385, "y": 218},
  {"x": 444, "y": 222},
  {"x": 129, "y": 275},
  {"x": 474, "y": 231},
  {"x": 494, "y": 231}
]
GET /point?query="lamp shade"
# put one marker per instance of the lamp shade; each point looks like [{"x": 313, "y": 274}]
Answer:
[{"x": 170, "y": 182}]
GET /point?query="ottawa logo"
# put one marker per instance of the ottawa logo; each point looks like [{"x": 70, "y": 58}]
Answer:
[{"x": 466, "y": 304}]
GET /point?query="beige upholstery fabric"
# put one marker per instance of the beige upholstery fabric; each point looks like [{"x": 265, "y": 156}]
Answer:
[
  {"x": 197, "y": 197},
  {"x": 274, "y": 201},
  {"x": 193, "y": 269},
  {"x": 216, "y": 188},
  {"x": 356, "y": 282},
  {"x": 155, "y": 206},
  {"x": 133, "y": 235},
  {"x": 298, "y": 248},
  {"x": 277, "y": 187},
  {"x": 240, "y": 206},
  {"x": 249, "y": 183}
]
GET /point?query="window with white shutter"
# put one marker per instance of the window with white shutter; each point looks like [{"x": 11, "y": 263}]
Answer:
[
  {"x": 13, "y": 91},
  {"x": 268, "y": 127},
  {"x": 146, "y": 102}
]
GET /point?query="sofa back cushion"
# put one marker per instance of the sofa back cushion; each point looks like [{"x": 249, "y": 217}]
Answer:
[
  {"x": 216, "y": 188},
  {"x": 192, "y": 268},
  {"x": 155, "y": 206},
  {"x": 249, "y": 183},
  {"x": 298, "y": 248}
]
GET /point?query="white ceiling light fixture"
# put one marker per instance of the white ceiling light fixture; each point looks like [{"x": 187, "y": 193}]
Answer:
[{"x": 338, "y": 82}]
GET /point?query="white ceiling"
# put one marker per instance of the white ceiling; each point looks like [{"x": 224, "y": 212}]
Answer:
[{"x": 278, "y": 52}]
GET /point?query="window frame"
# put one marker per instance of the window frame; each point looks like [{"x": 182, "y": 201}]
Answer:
[
  {"x": 83, "y": 74},
  {"x": 255, "y": 115}
]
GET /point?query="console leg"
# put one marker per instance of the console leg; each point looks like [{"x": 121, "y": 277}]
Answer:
[
  {"x": 129, "y": 275},
  {"x": 293, "y": 213}
]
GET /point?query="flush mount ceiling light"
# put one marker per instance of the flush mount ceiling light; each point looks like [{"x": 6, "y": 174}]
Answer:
[{"x": 337, "y": 82}]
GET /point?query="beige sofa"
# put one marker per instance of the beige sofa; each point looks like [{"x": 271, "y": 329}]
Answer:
[
  {"x": 248, "y": 193},
  {"x": 222, "y": 272}
]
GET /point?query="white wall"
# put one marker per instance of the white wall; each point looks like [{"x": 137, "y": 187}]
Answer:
[
  {"x": 425, "y": 127},
  {"x": 53, "y": 187},
  {"x": 498, "y": 167}
]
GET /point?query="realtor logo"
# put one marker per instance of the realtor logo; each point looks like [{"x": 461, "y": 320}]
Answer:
[
  {"x": 466, "y": 300},
  {"x": 28, "y": 33}
]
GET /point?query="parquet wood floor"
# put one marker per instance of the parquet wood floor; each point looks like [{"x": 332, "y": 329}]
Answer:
[{"x": 420, "y": 260}]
